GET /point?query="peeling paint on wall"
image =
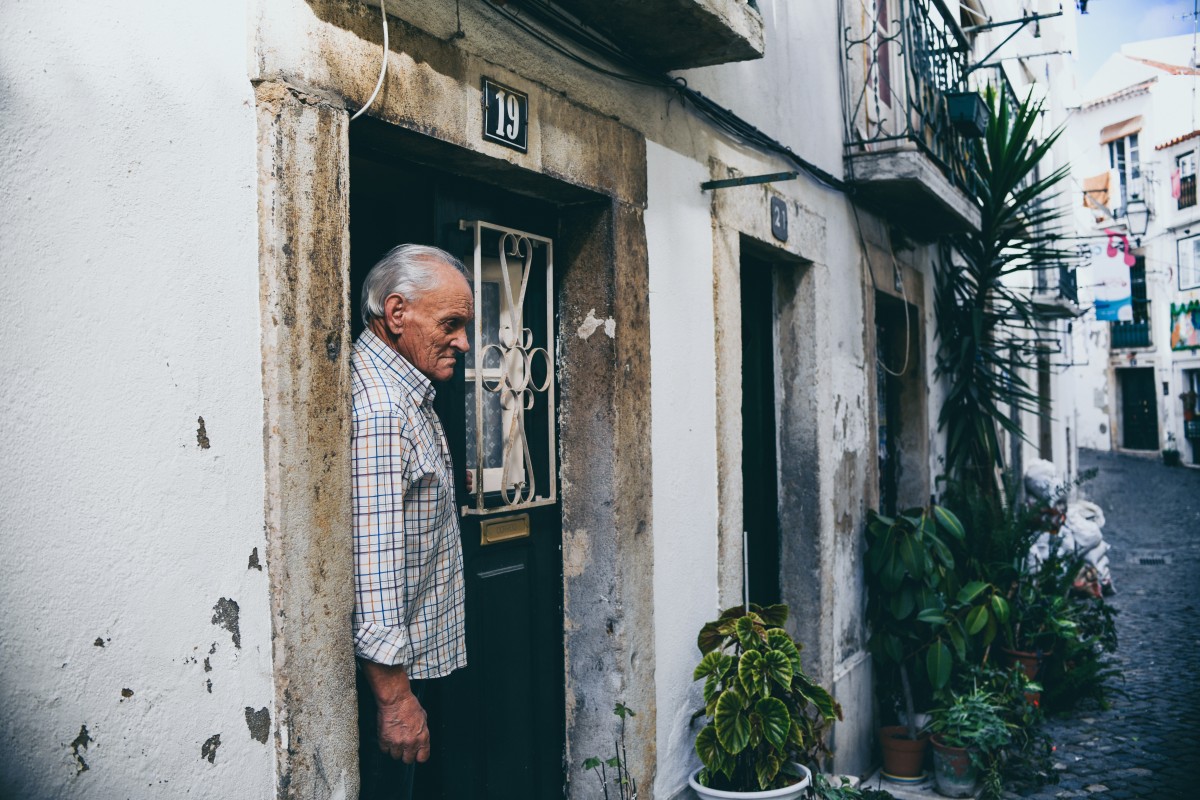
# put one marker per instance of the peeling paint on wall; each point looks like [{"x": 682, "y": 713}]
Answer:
[
  {"x": 225, "y": 614},
  {"x": 259, "y": 723},
  {"x": 591, "y": 323},
  {"x": 254, "y": 563},
  {"x": 576, "y": 553},
  {"x": 201, "y": 434},
  {"x": 208, "y": 750},
  {"x": 125, "y": 695},
  {"x": 81, "y": 742}
]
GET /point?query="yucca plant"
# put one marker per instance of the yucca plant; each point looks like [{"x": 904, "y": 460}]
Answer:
[
  {"x": 762, "y": 711},
  {"x": 988, "y": 329}
]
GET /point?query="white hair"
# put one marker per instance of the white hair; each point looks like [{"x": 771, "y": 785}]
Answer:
[{"x": 409, "y": 270}]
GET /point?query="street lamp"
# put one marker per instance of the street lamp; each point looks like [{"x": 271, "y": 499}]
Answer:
[{"x": 1137, "y": 217}]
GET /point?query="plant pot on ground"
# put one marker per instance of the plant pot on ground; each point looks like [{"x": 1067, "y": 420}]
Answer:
[
  {"x": 793, "y": 791},
  {"x": 973, "y": 723},
  {"x": 923, "y": 617},
  {"x": 903, "y": 756},
  {"x": 764, "y": 716},
  {"x": 953, "y": 770},
  {"x": 1029, "y": 661}
]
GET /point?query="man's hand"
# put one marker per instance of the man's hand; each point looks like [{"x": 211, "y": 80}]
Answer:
[{"x": 403, "y": 729}]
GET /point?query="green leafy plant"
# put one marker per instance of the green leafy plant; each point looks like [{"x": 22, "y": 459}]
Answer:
[
  {"x": 923, "y": 617},
  {"x": 824, "y": 789},
  {"x": 1042, "y": 616},
  {"x": 1026, "y": 762},
  {"x": 1077, "y": 634},
  {"x": 763, "y": 712},
  {"x": 975, "y": 721},
  {"x": 625, "y": 787}
]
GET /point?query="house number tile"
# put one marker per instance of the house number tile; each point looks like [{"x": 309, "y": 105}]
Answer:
[
  {"x": 505, "y": 115},
  {"x": 779, "y": 219}
]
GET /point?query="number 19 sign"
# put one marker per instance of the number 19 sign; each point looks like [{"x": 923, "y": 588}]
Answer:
[{"x": 505, "y": 115}]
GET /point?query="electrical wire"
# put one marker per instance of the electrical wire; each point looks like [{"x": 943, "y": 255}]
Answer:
[
  {"x": 382, "y": 64},
  {"x": 899, "y": 278},
  {"x": 862, "y": 241}
]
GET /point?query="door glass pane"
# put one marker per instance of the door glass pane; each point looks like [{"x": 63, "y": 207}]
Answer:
[
  {"x": 493, "y": 437},
  {"x": 489, "y": 317}
]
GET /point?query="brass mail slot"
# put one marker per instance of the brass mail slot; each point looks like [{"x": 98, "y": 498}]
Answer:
[{"x": 503, "y": 529}]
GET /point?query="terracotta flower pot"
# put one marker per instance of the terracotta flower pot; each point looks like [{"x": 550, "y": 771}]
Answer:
[
  {"x": 902, "y": 757},
  {"x": 953, "y": 772},
  {"x": 1029, "y": 662}
]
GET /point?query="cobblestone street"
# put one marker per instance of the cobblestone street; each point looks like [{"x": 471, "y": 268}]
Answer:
[{"x": 1147, "y": 744}]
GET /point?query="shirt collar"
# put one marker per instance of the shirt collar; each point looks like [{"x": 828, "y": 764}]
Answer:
[{"x": 396, "y": 366}]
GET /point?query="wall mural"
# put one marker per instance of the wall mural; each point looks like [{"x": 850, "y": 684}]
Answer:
[{"x": 1185, "y": 326}]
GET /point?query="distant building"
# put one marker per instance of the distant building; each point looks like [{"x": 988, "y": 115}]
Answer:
[{"x": 1135, "y": 140}]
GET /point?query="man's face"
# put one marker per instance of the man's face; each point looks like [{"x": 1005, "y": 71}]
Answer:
[{"x": 434, "y": 326}]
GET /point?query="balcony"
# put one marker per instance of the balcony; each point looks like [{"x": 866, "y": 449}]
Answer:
[
  {"x": 1126, "y": 335},
  {"x": 676, "y": 34},
  {"x": 903, "y": 154},
  {"x": 1059, "y": 300}
]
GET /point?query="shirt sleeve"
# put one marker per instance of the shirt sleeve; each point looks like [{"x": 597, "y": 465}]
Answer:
[{"x": 380, "y": 475}]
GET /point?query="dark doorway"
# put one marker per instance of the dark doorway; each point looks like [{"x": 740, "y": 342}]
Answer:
[
  {"x": 497, "y": 726},
  {"x": 1139, "y": 409},
  {"x": 760, "y": 494},
  {"x": 899, "y": 403},
  {"x": 1045, "y": 407}
]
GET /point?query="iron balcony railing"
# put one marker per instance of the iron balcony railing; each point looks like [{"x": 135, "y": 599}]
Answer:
[
  {"x": 1135, "y": 333},
  {"x": 902, "y": 58}
]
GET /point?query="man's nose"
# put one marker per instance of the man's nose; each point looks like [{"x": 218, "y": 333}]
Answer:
[{"x": 460, "y": 342}]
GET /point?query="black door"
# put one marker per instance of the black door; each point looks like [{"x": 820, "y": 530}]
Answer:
[
  {"x": 760, "y": 493},
  {"x": 1139, "y": 409},
  {"x": 497, "y": 727}
]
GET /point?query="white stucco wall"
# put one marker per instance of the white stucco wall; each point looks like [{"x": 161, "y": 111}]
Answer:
[
  {"x": 130, "y": 310},
  {"x": 793, "y": 93},
  {"x": 683, "y": 408}
]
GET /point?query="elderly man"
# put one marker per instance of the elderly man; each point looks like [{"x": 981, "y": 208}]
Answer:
[{"x": 408, "y": 611}]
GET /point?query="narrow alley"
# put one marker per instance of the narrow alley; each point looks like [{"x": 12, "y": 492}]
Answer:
[{"x": 1147, "y": 743}]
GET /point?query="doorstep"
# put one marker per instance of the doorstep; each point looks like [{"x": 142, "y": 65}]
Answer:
[{"x": 902, "y": 791}]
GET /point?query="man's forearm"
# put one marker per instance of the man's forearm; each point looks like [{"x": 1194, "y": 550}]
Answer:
[
  {"x": 389, "y": 683},
  {"x": 402, "y": 728}
]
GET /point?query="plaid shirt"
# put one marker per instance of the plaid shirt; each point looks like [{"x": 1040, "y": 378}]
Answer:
[{"x": 408, "y": 573}]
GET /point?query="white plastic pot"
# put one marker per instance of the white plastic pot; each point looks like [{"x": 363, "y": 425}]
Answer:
[{"x": 786, "y": 793}]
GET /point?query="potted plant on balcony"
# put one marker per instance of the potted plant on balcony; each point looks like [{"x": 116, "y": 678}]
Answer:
[
  {"x": 764, "y": 717},
  {"x": 968, "y": 113}
]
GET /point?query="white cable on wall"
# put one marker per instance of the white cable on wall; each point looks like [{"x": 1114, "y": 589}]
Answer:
[{"x": 382, "y": 65}]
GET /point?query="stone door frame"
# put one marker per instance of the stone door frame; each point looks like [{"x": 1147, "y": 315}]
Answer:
[{"x": 595, "y": 168}]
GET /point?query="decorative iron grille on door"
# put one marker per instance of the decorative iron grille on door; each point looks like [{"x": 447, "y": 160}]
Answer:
[{"x": 510, "y": 373}]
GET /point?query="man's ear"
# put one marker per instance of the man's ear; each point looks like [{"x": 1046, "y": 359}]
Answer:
[{"x": 394, "y": 307}]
